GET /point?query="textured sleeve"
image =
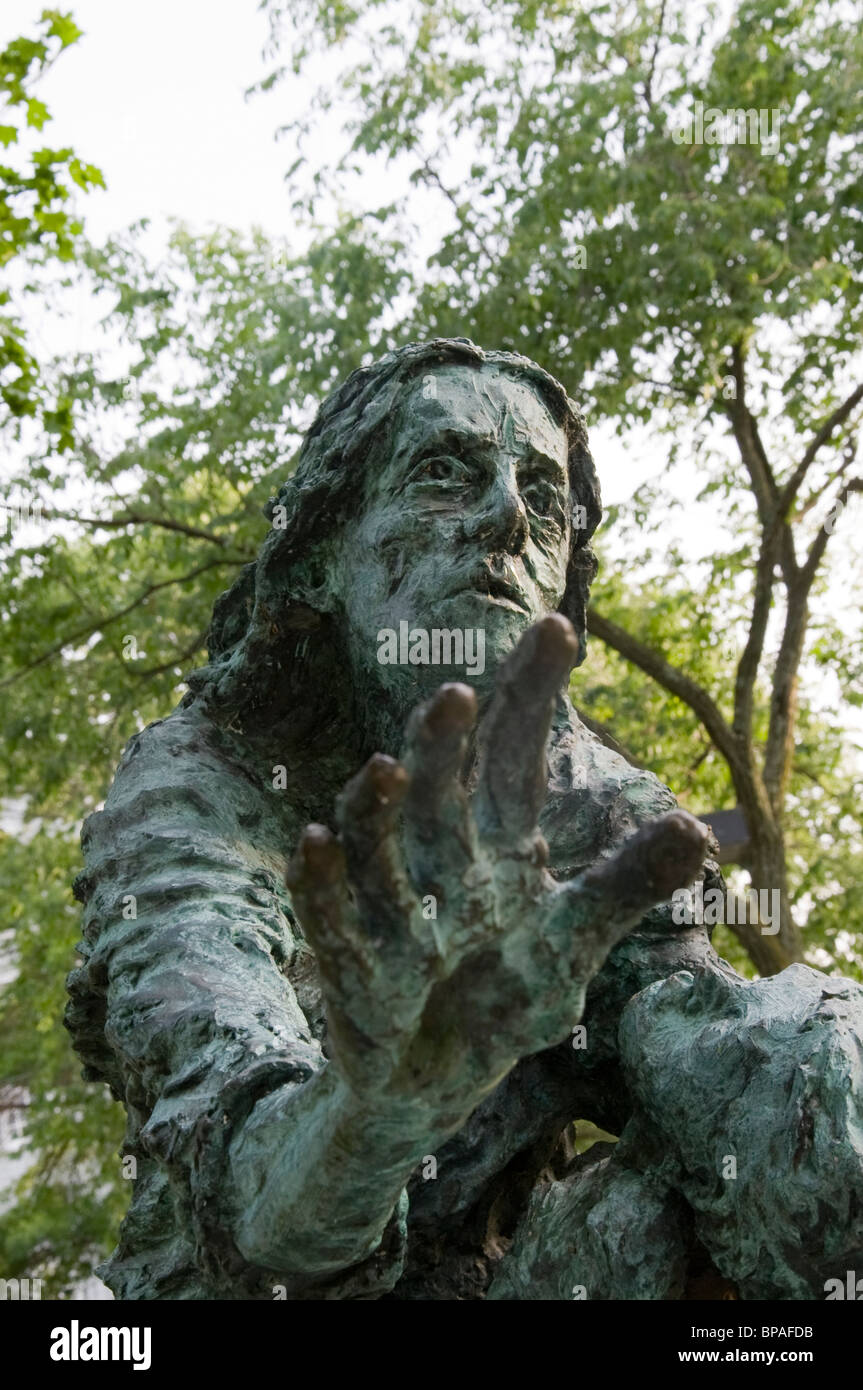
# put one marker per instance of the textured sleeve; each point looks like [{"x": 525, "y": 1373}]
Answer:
[{"x": 183, "y": 1001}]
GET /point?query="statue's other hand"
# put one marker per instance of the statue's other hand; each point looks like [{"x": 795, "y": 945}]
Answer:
[{"x": 447, "y": 951}]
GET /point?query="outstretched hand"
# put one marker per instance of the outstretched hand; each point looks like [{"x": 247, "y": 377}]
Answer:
[{"x": 438, "y": 1008}]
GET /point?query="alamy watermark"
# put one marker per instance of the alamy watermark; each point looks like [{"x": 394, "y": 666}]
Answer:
[
  {"x": 77, "y": 1343},
  {"x": 23, "y": 514},
  {"x": 754, "y": 906},
  {"x": 20, "y": 1289},
  {"x": 851, "y": 1289},
  {"x": 734, "y": 126},
  {"x": 441, "y": 646}
]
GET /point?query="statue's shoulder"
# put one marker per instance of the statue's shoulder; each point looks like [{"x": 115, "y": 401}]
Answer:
[
  {"x": 185, "y": 771},
  {"x": 184, "y": 739},
  {"x": 596, "y": 799}
]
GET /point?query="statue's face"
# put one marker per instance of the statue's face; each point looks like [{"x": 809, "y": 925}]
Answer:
[{"x": 466, "y": 523}]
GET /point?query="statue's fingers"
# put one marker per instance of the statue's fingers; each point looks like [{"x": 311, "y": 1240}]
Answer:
[
  {"x": 321, "y": 898},
  {"x": 513, "y": 775},
  {"x": 439, "y": 831},
  {"x": 662, "y": 856},
  {"x": 368, "y": 813},
  {"x": 597, "y": 909}
]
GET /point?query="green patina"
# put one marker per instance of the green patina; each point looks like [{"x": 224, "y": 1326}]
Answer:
[{"x": 368, "y": 914}]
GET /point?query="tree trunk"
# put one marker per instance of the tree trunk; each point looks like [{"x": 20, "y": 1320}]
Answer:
[{"x": 770, "y": 953}]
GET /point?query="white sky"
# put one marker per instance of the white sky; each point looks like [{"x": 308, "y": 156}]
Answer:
[{"x": 153, "y": 94}]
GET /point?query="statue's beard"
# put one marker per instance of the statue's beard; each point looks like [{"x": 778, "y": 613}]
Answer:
[
  {"x": 385, "y": 695},
  {"x": 341, "y": 705}
]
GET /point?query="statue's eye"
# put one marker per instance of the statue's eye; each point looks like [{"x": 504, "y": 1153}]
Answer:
[
  {"x": 440, "y": 469},
  {"x": 541, "y": 497}
]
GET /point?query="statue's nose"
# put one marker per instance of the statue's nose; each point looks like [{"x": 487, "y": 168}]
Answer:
[{"x": 502, "y": 520}]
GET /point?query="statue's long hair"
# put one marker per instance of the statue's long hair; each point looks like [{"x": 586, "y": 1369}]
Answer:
[{"x": 263, "y": 628}]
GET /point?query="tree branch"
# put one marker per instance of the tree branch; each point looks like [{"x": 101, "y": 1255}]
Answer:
[
  {"x": 674, "y": 681},
  {"x": 755, "y": 461},
  {"x": 138, "y": 519},
  {"x": 432, "y": 176},
  {"x": 783, "y": 703},
  {"x": 176, "y": 660},
  {"x": 819, "y": 545},
  {"x": 750, "y": 660},
  {"x": 806, "y": 507},
  {"x": 604, "y": 734},
  {"x": 839, "y": 416},
  {"x": 783, "y": 699},
  {"x": 98, "y": 624},
  {"x": 648, "y": 88}
]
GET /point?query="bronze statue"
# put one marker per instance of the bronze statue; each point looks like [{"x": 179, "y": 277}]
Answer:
[{"x": 350, "y": 906}]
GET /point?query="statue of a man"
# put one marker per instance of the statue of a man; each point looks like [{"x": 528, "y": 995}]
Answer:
[{"x": 374, "y": 884}]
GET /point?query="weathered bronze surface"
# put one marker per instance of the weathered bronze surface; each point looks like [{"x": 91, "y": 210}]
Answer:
[{"x": 369, "y": 913}]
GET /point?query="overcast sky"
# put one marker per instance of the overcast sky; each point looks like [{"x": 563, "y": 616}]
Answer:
[{"x": 153, "y": 94}]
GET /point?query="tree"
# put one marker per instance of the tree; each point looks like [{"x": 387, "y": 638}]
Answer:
[
  {"x": 667, "y": 272},
  {"x": 36, "y": 227}
]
